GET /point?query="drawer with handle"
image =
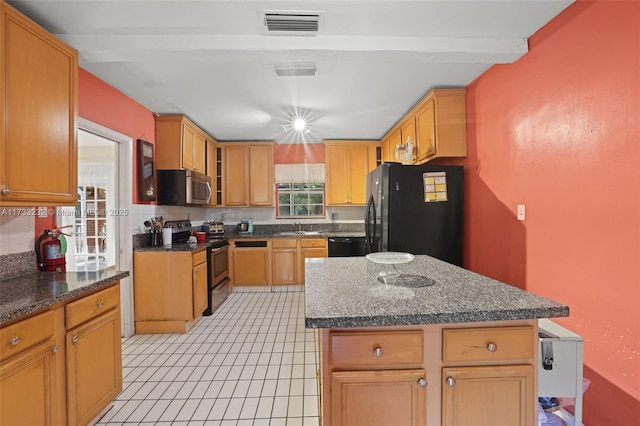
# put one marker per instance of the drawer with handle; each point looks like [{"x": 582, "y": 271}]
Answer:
[
  {"x": 92, "y": 305},
  {"x": 278, "y": 243},
  {"x": 487, "y": 344},
  {"x": 199, "y": 257},
  {"x": 22, "y": 335},
  {"x": 313, "y": 242},
  {"x": 375, "y": 348}
]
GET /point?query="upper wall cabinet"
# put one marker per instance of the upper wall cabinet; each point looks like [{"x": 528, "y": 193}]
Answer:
[
  {"x": 248, "y": 174},
  {"x": 347, "y": 164},
  {"x": 437, "y": 127},
  {"x": 38, "y": 114},
  {"x": 180, "y": 144}
]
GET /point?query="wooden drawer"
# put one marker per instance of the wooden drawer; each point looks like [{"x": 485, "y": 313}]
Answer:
[
  {"x": 91, "y": 306},
  {"x": 199, "y": 257},
  {"x": 22, "y": 335},
  {"x": 313, "y": 242},
  {"x": 488, "y": 344},
  {"x": 359, "y": 349},
  {"x": 285, "y": 242}
]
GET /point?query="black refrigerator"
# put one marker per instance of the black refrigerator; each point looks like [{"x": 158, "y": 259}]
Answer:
[{"x": 415, "y": 209}]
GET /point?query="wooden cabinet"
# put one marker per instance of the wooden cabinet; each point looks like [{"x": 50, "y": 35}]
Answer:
[
  {"x": 386, "y": 150},
  {"x": 475, "y": 375},
  {"x": 63, "y": 365},
  {"x": 273, "y": 261},
  {"x": 373, "y": 377},
  {"x": 505, "y": 380},
  {"x": 180, "y": 144},
  {"x": 285, "y": 264},
  {"x": 387, "y": 397},
  {"x": 441, "y": 125},
  {"x": 249, "y": 174},
  {"x": 38, "y": 114},
  {"x": 347, "y": 164},
  {"x": 436, "y": 125},
  {"x": 250, "y": 262},
  {"x": 408, "y": 132},
  {"x": 506, "y": 395},
  {"x": 311, "y": 248},
  {"x": 425, "y": 121},
  {"x": 199, "y": 282},
  {"x": 32, "y": 366},
  {"x": 170, "y": 290},
  {"x": 214, "y": 171},
  {"x": 94, "y": 355}
]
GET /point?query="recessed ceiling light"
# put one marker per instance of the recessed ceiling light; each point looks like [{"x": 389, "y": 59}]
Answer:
[{"x": 299, "y": 124}]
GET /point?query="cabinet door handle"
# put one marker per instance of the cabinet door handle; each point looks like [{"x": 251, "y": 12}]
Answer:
[
  {"x": 55, "y": 348},
  {"x": 492, "y": 347},
  {"x": 5, "y": 191},
  {"x": 75, "y": 338},
  {"x": 100, "y": 304},
  {"x": 377, "y": 352},
  {"x": 451, "y": 381},
  {"x": 422, "y": 383},
  {"x": 14, "y": 341}
]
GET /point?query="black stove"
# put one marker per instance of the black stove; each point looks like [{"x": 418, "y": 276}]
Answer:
[{"x": 180, "y": 230}]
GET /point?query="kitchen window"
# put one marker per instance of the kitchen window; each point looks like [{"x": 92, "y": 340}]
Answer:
[{"x": 300, "y": 190}]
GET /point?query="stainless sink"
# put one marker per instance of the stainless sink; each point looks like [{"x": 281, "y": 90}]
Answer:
[{"x": 300, "y": 233}]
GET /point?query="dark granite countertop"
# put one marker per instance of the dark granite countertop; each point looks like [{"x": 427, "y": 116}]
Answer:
[
  {"x": 177, "y": 247},
  {"x": 321, "y": 234},
  {"x": 26, "y": 294},
  {"x": 344, "y": 292}
]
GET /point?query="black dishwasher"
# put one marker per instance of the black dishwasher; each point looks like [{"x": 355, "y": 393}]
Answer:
[{"x": 347, "y": 246}]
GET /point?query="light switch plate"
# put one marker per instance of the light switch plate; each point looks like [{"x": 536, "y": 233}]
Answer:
[{"x": 520, "y": 212}]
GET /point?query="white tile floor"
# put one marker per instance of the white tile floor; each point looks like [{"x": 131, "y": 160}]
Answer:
[{"x": 251, "y": 363}]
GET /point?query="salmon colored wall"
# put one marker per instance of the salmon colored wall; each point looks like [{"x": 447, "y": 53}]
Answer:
[
  {"x": 559, "y": 131},
  {"x": 104, "y": 105},
  {"x": 298, "y": 153}
]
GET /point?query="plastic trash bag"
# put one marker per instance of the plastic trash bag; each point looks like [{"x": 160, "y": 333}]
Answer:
[{"x": 548, "y": 419}]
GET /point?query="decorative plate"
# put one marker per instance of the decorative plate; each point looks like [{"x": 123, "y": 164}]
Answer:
[{"x": 390, "y": 257}]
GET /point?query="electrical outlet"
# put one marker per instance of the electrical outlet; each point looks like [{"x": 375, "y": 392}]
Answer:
[
  {"x": 520, "y": 212},
  {"x": 334, "y": 216}
]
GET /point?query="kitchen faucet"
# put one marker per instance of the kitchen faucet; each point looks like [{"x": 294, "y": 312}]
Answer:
[{"x": 298, "y": 225}]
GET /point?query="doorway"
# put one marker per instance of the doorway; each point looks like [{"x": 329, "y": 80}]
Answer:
[{"x": 101, "y": 223}]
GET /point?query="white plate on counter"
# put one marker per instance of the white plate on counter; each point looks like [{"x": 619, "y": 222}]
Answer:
[{"x": 390, "y": 257}]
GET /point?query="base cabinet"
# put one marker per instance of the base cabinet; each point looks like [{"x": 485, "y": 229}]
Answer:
[
  {"x": 29, "y": 377},
  {"x": 62, "y": 366},
  {"x": 170, "y": 290},
  {"x": 94, "y": 367},
  {"x": 250, "y": 262},
  {"x": 285, "y": 255},
  {"x": 493, "y": 395},
  {"x": 475, "y": 375},
  {"x": 382, "y": 397}
]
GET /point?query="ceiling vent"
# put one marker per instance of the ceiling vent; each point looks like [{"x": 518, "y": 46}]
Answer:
[
  {"x": 291, "y": 22},
  {"x": 296, "y": 70}
]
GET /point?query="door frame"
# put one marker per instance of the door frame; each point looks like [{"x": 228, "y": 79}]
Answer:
[{"x": 124, "y": 169}]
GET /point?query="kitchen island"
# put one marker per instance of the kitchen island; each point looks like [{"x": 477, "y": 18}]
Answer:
[{"x": 440, "y": 346}]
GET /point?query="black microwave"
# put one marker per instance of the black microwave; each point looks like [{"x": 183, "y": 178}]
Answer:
[{"x": 183, "y": 188}]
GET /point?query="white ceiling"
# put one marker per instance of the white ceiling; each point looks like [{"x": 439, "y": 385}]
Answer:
[{"x": 213, "y": 61}]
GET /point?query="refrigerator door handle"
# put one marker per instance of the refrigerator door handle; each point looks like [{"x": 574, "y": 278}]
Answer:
[{"x": 369, "y": 220}]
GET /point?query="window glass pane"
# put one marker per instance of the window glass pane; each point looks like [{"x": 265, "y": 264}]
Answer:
[
  {"x": 284, "y": 197},
  {"x": 284, "y": 211},
  {"x": 316, "y": 198},
  {"x": 300, "y": 210},
  {"x": 300, "y": 199},
  {"x": 316, "y": 210}
]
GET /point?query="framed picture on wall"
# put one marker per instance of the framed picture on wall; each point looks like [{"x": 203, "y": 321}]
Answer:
[{"x": 146, "y": 172}]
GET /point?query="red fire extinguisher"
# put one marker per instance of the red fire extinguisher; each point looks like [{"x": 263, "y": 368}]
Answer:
[{"x": 51, "y": 252}]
